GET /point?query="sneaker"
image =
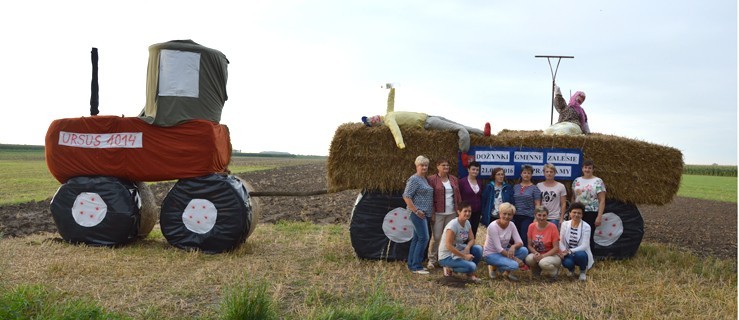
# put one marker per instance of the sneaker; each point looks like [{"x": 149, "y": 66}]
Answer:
[
  {"x": 536, "y": 273},
  {"x": 430, "y": 266},
  {"x": 524, "y": 267},
  {"x": 475, "y": 279},
  {"x": 447, "y": 272},
  {"x": 570, "y": 273},
  {"x": 583, "y": 277},
  {"x": 491, "y": 272},
  {"x": 420, "y": 271}
]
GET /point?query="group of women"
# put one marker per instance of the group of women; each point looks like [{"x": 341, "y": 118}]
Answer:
[{"x": 526, "y": 226}]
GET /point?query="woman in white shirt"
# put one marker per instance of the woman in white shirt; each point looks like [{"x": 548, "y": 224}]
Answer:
[
  {"x": 553, "y": 195},
  {"x": 591, "y": 192},
  {"x": 574, "y": 242},
  {"x": 446, "y": 196}
]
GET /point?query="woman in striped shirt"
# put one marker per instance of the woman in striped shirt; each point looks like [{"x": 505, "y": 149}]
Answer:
[{"x": 574, "y": 243}]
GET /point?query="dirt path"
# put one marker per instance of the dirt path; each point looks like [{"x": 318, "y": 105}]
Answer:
[{"x": 705, "y": 227}]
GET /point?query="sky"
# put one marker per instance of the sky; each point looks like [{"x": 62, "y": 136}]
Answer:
[{"x": 663, "y": 72}]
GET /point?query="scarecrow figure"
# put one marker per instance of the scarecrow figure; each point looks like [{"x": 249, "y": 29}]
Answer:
[
  {"x": 572, "y": 117},
  {"x": 396, "y": 120}
]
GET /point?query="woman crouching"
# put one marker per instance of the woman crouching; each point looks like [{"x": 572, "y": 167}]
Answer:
[
  {"x": 458, "y": 251},
  {"x": 499, "y": 253},
  {"x": 543, "y": 245},
  {"x": 574, "y": 245}
]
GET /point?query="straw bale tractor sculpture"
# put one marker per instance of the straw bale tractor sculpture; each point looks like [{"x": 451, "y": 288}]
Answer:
[
  {"x": 103, "y": 161},
  {"x": 635, "y": 172}
]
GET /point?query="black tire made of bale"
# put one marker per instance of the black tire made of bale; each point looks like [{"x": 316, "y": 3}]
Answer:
[
  {"x": 99, "y": 211},
  {"x": 366, "y": 227},
  {"x": 211, "y": 213},
  {"x": 620, "y": 233}
]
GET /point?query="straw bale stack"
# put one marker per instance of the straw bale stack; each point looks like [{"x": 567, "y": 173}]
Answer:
[
  {"x": 634, "y": 171},
  {"x": 149, "y": 209}
]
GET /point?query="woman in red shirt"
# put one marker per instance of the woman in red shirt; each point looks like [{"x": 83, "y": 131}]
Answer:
[{"x": 543, "y": 244}]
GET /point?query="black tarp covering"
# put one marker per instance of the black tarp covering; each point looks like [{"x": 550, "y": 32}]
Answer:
[
  {"x": 120, "y": 223},
  {"x": 365, "y": 228},
  {"x": 633, "y": 232},
  {"x": 234, "y": 213}
]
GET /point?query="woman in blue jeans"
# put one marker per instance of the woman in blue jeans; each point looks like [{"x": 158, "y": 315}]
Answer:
[
  {"x": 574, "y": 242},
  {"x": 419, "y": 200},
  {"x": 457, "y": 250},
  {"x": 499, "y": 253}
]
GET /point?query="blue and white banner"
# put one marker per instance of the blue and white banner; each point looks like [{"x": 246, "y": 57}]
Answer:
[{"x": 567, "y": 161}]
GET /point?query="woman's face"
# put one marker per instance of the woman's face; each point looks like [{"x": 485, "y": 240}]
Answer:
[
  {"x": 500, "y": 176},
  {"x": 526, "y": 175},
  {"x": 422, "y": 168},
  {"x": 506, "y": 216},
  {"x": 580, "y": 99},
  {"x": 541, "y": 216},
  {"x": 443, "y": 167},
  {"x": 576, "y": 215},
  {"x": 464, "y": 214},
  {"x": 549, "y": 174},
  {"x": 587, "y": 171},
  {"x": 474, "y": 171}
]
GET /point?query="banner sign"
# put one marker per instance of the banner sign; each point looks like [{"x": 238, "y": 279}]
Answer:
[
  {"x": 567, "y": 161},
  {"x": 101, "y": 140}
]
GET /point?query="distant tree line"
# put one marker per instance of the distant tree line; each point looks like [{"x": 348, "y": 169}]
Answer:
[{"x": 21, "y": 147}]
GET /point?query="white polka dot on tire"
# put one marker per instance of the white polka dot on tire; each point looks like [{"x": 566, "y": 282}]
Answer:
[
  {"x": 397, "y": 225},
  {"x": 89, "y": 209},
  {"x": 200, "y": 216},
  {"x": 610, "y": 229}
]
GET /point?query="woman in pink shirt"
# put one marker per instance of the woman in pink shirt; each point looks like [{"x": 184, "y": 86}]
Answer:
[{"x": 499, "y": 253}]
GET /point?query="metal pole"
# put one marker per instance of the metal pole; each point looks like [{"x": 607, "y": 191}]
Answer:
[{"x": 554, "y": 76}]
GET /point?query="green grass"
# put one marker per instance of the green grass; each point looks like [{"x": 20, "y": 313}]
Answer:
[
  {"x": 243, "y": 169},
  {"x": 248, "y": 300},
  {"x": 709, "y": 188},
  {"x": 37, "y": 302},
  {"x": 25, "y": 180}
]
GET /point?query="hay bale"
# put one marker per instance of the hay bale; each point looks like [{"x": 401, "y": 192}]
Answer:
[
  {"x": 635, "y": 172},
  {"x": 149, "y": 209}
]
